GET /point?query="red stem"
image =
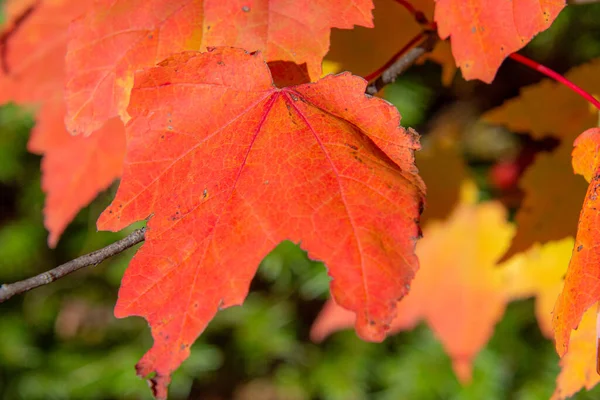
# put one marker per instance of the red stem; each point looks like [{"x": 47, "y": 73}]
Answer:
[
  {"x": 420, "y": 16},
  {"x": 411, "y": 9},
  {"x": 556, "y": 76},
  {"x": 396, "y": 56}
]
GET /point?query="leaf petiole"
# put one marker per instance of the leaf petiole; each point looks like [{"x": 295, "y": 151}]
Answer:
[{"x": 556, "y": 76}]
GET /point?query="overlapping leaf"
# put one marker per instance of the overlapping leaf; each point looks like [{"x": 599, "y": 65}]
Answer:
[
  {"x": 550, "y": 109},
  {"x": 578, "y": 366},
  {"x": 539, "y": 273},
  {"x": 582, "y": 283},
  {"x": 484, "y": 32},
  {"x": 458, "y": 291},
  {"x": 74, "y": 170},
  {"x": 118, "y": 37},
  {"x": 226, "y": 166}
]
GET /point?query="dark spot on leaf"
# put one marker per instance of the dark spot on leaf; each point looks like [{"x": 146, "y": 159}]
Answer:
[
  {"x": 246, "y": 9},
  {"x": 353, "y": 147},
  {"x": 473, "y": 29},
  {"x": 357, "y": 158},
  {"x": 580, "y": 247},
  {"x": 372, "y": 323},
  {"x": 205, "y": 194},
  {"x": 150, "y": 36}
]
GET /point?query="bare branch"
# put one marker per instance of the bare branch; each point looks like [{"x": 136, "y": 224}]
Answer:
[
  {"x": 403, "y": 63},
  {"x": 91, "y": 259}
]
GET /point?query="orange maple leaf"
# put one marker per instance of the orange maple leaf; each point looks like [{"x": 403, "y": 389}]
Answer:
[
  {"x": 484, "y": 32},
  {"x": 582, "y": 282},
  {"x": 74, "y": 170},
  {"x": 458, "y": 291},
  {"x": 227, "y": 166},
  {"x": 117, "y": 37}
]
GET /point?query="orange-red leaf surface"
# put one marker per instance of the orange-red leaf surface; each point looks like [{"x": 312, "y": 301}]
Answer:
[
  {"x": 459, "y": 290},
  {"x": 542, "y": 110},
  {"x": 74, "y": 169},
  {"x": 484, "y": 32},
  {"x": 118, "y": 37},
  {"x": 582, "y": 283},
  {"x": 33, "y": 62},
  {"x": 226, "y": 166}
]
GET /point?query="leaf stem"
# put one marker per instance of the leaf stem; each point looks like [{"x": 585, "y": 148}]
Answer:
[
  {"x": 402, "y": 63},
  {"x": 395, "y": 57},
  {"x": 419, "y": 15},
  {"x": 556, "y": 76},
  {"x": 409, "y": 7}
]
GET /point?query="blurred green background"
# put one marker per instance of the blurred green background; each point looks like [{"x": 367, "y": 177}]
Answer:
[{"x": 61, "y": 341}]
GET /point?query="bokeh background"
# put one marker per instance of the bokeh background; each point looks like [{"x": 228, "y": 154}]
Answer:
[{"x": 61, "y": 341}]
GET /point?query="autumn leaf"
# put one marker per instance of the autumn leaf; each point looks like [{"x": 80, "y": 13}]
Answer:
[
  {"x": 459, "y": 290},
  {"x": 539, "y": 273},
  {"x": 484, "y": 32},
  {"x": 33, "y": 66},
  {"x": 442, "y": 151},
  {"x": 74, "y": 170},
  {"x": 578, "y": 366},
  {"x": 117, "y": 37},
  {"x": 549, "y": 108},
  {"x": 226, "y": 166},
  {"x": 582, "y": 282},
  {"x": 542, "y": 110}
]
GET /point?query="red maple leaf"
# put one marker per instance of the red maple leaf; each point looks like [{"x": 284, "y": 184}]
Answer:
[
  {"x": 74, "y": 169},
  {"x": 226, "y": 166},
  {"x": 118, "y": 37},
  {"x": 485, "y": 32},
  {"x": 582, "y": 282}
]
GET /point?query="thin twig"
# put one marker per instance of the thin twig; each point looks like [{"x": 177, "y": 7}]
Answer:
[
  {"x": 91, "y": 259},
  {"x": 402, "y": 64}
]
